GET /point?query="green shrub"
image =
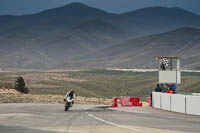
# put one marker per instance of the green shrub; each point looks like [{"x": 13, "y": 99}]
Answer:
[{"x": 20, "y": 85}]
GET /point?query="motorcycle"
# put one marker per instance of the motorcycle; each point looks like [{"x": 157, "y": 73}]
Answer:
[{"x": 68, "y": 103}]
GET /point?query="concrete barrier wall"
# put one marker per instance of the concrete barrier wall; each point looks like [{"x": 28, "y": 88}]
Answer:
[
  {"x": 193, "y": 105},
  {"x": 165, "y": 101},
  {"x": 156, "y": 101},
  {"x": 178, "y": 103}
]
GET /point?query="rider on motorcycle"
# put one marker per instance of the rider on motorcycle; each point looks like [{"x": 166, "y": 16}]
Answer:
[{"x": 71, "y": 94}]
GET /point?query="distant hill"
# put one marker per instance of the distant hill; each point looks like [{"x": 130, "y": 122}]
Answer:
[
  {"x": 54, "y": 37},
  {"x": 141, "y": 52},
  {"x": 160, "y": 19}
]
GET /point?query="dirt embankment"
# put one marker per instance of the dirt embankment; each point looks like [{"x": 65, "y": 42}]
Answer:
[{"x": 12, "y": 96}]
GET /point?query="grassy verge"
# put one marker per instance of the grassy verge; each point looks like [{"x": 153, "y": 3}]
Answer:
[{"x": 100, "y": 83}]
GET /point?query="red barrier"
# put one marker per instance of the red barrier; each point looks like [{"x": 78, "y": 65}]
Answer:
[
  {"x": 148, "y": 100},
  {"x": 130, "y": 101},
  {"x": 138, "y": 104},
  {"x": 135, "y": 101},
  {"x": 114, "y": 102},
  {"x": 125, "y": 101}
]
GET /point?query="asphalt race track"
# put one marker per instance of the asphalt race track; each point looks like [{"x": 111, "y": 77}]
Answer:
[{"x": 51, "y": 118}]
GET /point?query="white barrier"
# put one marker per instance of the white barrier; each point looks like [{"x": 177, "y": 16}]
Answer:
[
  {"x": 165, "y": 101},
  {"x": 196, "y": 94},
  {"x": 178, "y": 103},
  {"x": 156, "y": 100},
  {"x": 193, "y": 105}
]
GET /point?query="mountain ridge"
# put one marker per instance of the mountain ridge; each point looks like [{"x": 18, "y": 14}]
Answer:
[
  {"x": 146, "y": 49},
  {"x": 55, "y": 35}
]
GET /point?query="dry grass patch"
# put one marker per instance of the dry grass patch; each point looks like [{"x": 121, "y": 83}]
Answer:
[{"x": 47, "y": 99}]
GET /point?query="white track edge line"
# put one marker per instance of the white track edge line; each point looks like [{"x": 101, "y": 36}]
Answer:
[
  {"x": 114, "y": 124},
  {"x": 139, "y": 112}
]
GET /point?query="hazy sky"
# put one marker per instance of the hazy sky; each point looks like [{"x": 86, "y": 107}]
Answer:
[{"x": 19, "y": 7}]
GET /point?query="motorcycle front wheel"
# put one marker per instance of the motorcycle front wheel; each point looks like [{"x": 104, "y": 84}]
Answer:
[{"x": 67, "y": 106}]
